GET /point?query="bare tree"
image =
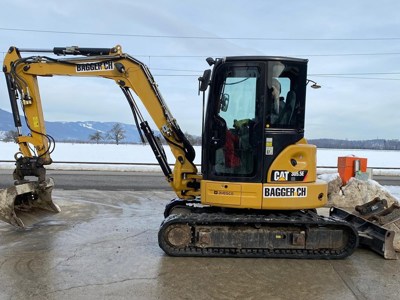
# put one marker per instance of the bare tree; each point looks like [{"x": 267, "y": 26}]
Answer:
[
  {"x": 193, "y": 139},
  {"x": 116, "y": 133},
  {"x": 96, "y": 137},
  {"x": 10, "y": 136}
]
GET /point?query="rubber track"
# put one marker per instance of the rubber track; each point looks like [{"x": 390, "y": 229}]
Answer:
[{"x": 294, "y": 219}]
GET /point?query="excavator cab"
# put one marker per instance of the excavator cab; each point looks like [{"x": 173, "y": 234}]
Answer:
[
  {"x": 254, "y": 147},
  {"x": 244, "y": 113}
]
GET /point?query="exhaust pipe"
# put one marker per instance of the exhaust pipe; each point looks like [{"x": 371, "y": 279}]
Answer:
[{"x": 25, "y": 204}]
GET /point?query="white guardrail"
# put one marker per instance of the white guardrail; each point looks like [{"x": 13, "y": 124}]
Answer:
[{"x": 154, "y": 167}]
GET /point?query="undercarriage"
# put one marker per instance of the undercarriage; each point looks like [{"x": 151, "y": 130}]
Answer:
[{"x": 193, "y": 230}]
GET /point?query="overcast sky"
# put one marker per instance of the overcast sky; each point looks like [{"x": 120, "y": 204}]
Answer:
[{"x": 353, "y": 49}]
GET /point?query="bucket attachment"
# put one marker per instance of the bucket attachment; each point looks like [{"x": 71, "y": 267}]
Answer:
[{"x": 25, "y": 204}]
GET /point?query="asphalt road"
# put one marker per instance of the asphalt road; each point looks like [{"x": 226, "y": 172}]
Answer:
[
  {"x": 388, "y": 180},
  {"x": 99, "y": 180},
  {"x": 124, "y": 181},
  {"x": 103, "y": 245}
]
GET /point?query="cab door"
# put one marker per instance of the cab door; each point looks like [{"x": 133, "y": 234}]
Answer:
[
  {"x": 233, "y": 136},
  {"x": 234, "y": 123}
]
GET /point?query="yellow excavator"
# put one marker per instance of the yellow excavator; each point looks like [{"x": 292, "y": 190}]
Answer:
[{"x": 257, "y": 192}]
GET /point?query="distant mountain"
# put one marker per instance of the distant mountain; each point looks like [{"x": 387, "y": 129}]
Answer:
[
  {"x": 80, "y": 132},
  {"x": 376, "y": 144},
  {"x": 6, "y": 121},
  {"x": 72, "y": 131}
]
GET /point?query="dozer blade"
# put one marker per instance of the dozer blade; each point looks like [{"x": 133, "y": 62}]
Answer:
[
  {"x": 371, "y": 235},
  {"x": 24, "y": 204}
]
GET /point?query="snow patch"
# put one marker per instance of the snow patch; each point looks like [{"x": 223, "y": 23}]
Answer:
[
  {"x": 88, "y": 126},
  {"x": 355, "y": 192}
]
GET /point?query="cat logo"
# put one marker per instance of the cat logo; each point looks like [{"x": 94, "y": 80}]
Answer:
[
  {"x": 280, "y": 175},
  {"x": 284, "y": 175}
]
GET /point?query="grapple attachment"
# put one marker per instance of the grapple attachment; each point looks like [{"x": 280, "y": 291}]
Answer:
[{"x": 25, "y": 204}]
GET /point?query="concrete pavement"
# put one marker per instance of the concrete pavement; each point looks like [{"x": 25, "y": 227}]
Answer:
[{"x": 103, "y": 245}]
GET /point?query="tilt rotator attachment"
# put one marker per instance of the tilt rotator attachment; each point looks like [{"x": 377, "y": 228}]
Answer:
[{"x": 24, "y": 204}]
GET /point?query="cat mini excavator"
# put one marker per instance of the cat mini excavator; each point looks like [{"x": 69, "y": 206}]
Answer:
[{"x": 257, "y": 192}]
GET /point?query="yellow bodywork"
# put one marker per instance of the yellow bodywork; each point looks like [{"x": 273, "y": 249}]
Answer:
[
  {"x": 264, "y": 196},
  {"x": 277, "y": 195}
]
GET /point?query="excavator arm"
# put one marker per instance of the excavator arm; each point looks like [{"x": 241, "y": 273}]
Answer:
[{"x": 129, "y": 74}]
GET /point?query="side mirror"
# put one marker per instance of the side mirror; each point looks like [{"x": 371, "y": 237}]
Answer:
[
  {"x": 204, "y": 81},
  {"x": 224, "y": 102}
]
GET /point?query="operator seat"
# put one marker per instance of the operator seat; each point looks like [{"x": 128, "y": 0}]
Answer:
[{"x": 288, "y": 112}]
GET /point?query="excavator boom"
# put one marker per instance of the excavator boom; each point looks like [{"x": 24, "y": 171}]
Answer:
[
  {"x": 36, "y": 146},
  {"x": 128, "y": 73}
]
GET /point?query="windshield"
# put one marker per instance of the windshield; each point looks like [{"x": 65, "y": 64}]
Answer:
[{"x": 238, "y": 95}]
